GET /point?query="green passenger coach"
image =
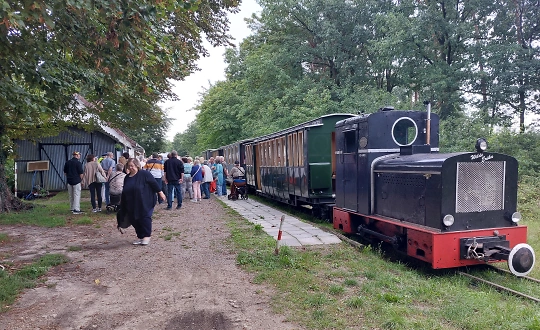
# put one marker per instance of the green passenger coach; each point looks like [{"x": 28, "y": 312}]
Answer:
[{"x": 296, "y": 165}]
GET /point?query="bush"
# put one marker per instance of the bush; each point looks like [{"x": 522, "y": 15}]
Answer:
[
  {"x": 10, "y": 174},
  {"x": 460, "y": 134}
]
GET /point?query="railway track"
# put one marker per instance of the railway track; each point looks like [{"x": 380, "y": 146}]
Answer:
[
  {"x": 501, "y": 287},
  {"x": 475, "y": 278}
]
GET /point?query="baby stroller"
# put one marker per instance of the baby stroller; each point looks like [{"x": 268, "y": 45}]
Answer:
[
  {"x": 114, "y": 206},
  {"x": 238, "y": 189}
]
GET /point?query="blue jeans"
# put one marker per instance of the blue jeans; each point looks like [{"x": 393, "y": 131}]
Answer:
[
  {"x": 176, "y": 187},
  {"x": 224, "y": 188},
  {"x": 205, "y": 187},
  {"x": 107, "y": 194}
]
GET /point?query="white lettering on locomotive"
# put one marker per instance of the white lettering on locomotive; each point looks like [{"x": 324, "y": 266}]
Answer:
[{"x": 482, "y": 156}]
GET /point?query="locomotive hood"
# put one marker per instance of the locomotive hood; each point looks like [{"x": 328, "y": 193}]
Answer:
[{"x": 434, "y": 163}]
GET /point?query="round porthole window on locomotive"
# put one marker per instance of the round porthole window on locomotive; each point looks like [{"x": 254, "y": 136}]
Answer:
[{"x": 404, "y": 131}]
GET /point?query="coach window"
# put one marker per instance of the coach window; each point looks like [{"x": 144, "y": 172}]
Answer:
[
  {"x": 261, "y": 153},
  {"x": 275, "y": 159},
  {"x": 301, "y": 148},
  {"x": 265, "y": 148},
  {"x": 268, "y": 153},
  {"x": 289, "y": 144},
  {"x": 296, "y": 151},
  {"x": 278, "y": 152},
  {"x": 271, "y": 153},
  {"x": 294, "y": 147},
  {"x": 283, "y": 151}
]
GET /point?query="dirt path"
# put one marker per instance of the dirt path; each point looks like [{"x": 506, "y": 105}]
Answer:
[{"x": 188, "y": 282}]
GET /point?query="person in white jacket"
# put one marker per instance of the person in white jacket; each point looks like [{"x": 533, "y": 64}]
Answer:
[{"x": 207, "y": 178}]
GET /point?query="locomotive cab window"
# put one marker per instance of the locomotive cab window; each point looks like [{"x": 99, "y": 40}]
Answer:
[
  {"x": 350, "y": 141},
  {"x": 404, "y": 131}
]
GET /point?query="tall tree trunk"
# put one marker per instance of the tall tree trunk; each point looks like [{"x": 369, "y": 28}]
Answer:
[
  {"x": 6, "y": 197},
  {"x": 522, "y": 108}
]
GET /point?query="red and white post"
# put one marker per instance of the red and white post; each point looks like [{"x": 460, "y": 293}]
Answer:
[{"x": 279, "y": 234}]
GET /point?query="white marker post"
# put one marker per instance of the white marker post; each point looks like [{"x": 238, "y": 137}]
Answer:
[{"x": 279, "y": 234}]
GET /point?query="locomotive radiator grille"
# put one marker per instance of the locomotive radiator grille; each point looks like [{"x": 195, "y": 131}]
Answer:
[{"x": 480, "y": 187}]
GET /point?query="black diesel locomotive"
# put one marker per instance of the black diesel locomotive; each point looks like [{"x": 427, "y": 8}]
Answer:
[{"x": 385, "y": 179}]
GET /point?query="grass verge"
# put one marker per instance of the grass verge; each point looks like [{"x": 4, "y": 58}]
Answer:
[
  {"x": 54, "y": 212},
  {"x": 11, "y": 284}
]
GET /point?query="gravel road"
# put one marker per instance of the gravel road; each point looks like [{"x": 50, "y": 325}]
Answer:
[{"x": 189, "y": 281}]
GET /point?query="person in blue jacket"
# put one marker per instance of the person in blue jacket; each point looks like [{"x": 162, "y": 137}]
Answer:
[{"x": 196, "y": 179}]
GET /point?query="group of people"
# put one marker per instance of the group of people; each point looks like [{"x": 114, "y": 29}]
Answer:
[
  {"x": 142, "y": 183},
  {"x": 87, "y": 177}
]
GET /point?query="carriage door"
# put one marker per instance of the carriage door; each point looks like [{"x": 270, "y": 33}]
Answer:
[{"x": 346, "y": 174}]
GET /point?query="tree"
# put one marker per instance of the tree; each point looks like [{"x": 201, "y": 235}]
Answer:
[
  {"x": 152, "y": 136},
  {"x": 119, "y": 55},
  {"x": 186, "y": 143},
  {"x": 507, "y": 51},
  {"x": 308, "y": 58}
]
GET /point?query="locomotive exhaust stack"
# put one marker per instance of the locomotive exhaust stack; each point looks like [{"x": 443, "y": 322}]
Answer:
[{"x": 428, "y": 122}]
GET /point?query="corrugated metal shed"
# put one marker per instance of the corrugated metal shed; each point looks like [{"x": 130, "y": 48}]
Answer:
[{"x": 59, "y": 149}]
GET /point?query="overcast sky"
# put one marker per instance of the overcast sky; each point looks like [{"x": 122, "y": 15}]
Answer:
[{"x": 212, "y": 70}]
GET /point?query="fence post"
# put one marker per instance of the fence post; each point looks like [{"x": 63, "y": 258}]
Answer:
[{"x": 279, "y": 234}]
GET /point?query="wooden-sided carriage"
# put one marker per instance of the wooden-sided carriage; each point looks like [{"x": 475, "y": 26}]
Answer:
[
  {"x": 296, "y": 165},
  {"x": 235, "y": 152}
]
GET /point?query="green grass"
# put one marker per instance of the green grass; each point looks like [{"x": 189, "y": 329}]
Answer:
[
  {"x": 54, "y": 212},
  {"x": 11, "y": 284},
  {"x": 342, "y": 287},
  {"x": 4, "y": 237},
  {"x": 529, "y": 207},
  {"x": 170, "y": 236}
]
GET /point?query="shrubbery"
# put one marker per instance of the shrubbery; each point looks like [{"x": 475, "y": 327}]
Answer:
[{"x": 460, "y": 134}]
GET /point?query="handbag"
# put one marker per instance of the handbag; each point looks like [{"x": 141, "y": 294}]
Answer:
[{"x": 100, "y": 178}]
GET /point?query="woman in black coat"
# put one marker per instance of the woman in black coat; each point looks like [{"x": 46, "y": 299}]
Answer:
[{"x": 138, "y": 201}]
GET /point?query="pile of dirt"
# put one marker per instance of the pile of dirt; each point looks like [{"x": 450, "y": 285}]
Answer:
[{"x": 185, "y": 279}]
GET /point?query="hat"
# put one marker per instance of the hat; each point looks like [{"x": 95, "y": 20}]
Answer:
[
  {"x": 205, "y": 162},
  {"x": 105, "y": 155},
  {"x": 236, "y": 162},
  {"x": 76, "y": 153}
]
